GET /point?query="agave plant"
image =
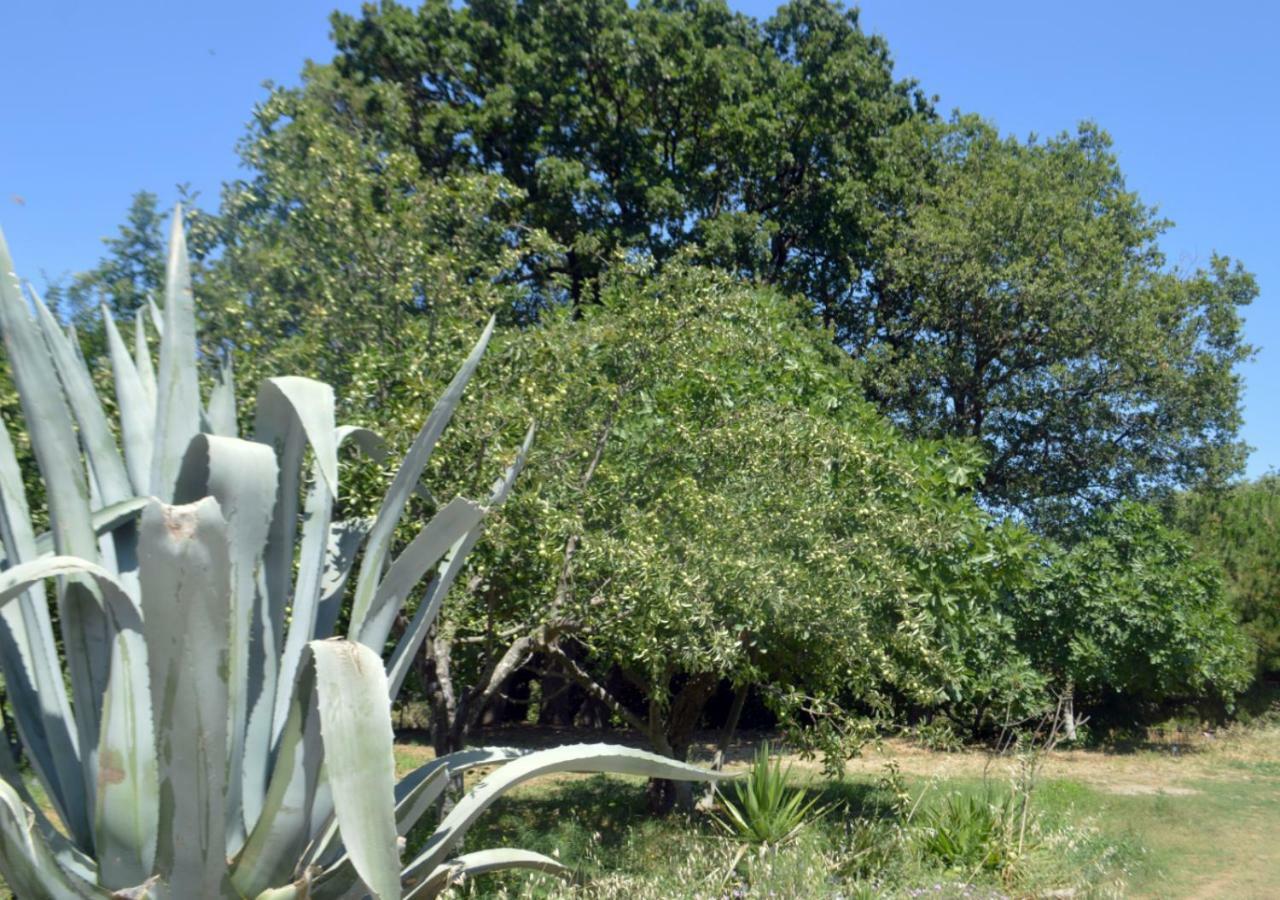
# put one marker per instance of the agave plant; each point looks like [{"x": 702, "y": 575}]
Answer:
[
  {"x": 764, "y": 808},
  {"x": 211, "y": 736}
]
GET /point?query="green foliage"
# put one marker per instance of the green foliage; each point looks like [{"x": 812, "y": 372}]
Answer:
[
  {"x": 764, "y": 807},
  {"x": 215, "y": 739},
  {"x": 969, "y": 832},
  {"x": 1022, "y": 300},
  {"x": 1130, "y": 609},
  {"x": 718, "y": 504},
  {"x": 1239, "y": 529},
  {"x": 649, "y": 127}
]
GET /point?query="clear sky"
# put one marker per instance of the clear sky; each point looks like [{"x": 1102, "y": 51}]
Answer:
[{"x": 104, "y": 99}]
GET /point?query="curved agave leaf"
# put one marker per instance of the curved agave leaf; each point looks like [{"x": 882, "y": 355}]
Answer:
[
  {"x": 355, "y": 727},
  {"x": 117, "y": 606},
  {"x": 470, "y": 864},
  {"x": 415, "y": 794},
  {"x": 406, "y": 480},
  {"x": 125, "y": 825},
  {"x": 241, "y": 476},
  {"x": 29, "y": 864},
  {"x": 29, "y": 654},
  {"x": 291, "y": 414},
  {"x": 572, "y": 758},
  {"x": 429, "y": 606},
  {"x": 325, "y": 558}
]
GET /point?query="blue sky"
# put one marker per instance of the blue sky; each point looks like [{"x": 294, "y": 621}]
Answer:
[{"x": 102, "y": 100}]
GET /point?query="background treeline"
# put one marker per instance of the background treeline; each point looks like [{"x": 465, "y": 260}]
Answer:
[{"x": 849, "y": 413}]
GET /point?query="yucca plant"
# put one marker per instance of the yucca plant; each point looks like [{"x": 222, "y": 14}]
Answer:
[
  {"x": 764, "y": 808},
  {"x": 211, "y": 737}
]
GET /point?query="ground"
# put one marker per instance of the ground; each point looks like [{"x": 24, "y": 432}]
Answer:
[{"x": 1174, "y": 820}]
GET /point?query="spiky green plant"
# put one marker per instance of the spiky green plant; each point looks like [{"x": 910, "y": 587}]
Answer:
[
  {"x": 764, "y": 808},
  {"x": 216, "y": 739}
]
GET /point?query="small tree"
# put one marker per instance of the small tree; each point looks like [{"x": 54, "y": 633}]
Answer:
[{"x": 1129, "y": 609}]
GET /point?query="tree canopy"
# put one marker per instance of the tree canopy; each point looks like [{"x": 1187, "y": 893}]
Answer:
[
  {"x": 650, "y": 127},
  {"x": 1021, "y": 299}
]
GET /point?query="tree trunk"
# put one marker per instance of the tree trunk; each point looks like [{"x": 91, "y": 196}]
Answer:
[
  {"x": 730, "y": 726},
  {"x": 682, "y": 720},
  {"x": 1069, "y": 713}
]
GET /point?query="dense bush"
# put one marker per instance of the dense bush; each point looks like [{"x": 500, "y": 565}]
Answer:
[
  {"x": 1239, "y": 529},
  {"x": 1129, "y": 609}
]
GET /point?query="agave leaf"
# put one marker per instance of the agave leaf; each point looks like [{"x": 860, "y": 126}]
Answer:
[
  {"x": 343, "y": 543},
  {"x": 306, "y": 594},
  {"x": 446, "y": 528},
  {"x": 241, "y": 476},
  {"x": 339, "y": 874},
  {"x": 221, "y": 411},
  {"x": 366, "y": 440},
  {"x": 29, "y": 655},
  {"x": 456, "y": 763},
  {"x": 127, "y": 808},
  {"x": 70, "y": 857},
  {"x": 411, "y": 468},
  {"x": 470, "y": 864},
  {"x": 125, "y": 775},
  {"x": 282, "y": 831},
  {"x": 95, "y": 434},
  {"x": 117, "y": 607},
  {"x": 137, "y": 409},
  {"x": 291, "y": 414},
  {"x": 177, "y": 390},
  {"x": 29, "y": 864},
  {"x": 323, "y": 558},
  {"x": 84, "y": 629},
  {"x": 157, "y": 317},
  {"x": 429, "y": 606},
  {"x": 355, "y": 724},
  {"x": 571, "y": 758},
  {"x": 185, "y": 573},
  {"x": 104, "y": 521},
  {"x": 142, "y": 361},
  {"x": 290, "y": 404},
  {"x": 415, "y": 794}
]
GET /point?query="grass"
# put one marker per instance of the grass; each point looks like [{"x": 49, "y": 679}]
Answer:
[{"x": 1145, "y": 824}]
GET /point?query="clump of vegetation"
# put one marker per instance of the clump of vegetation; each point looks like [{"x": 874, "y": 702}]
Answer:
[
  {"x": 764, "y": 807},
  {"x": 970, "y": 833}
]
